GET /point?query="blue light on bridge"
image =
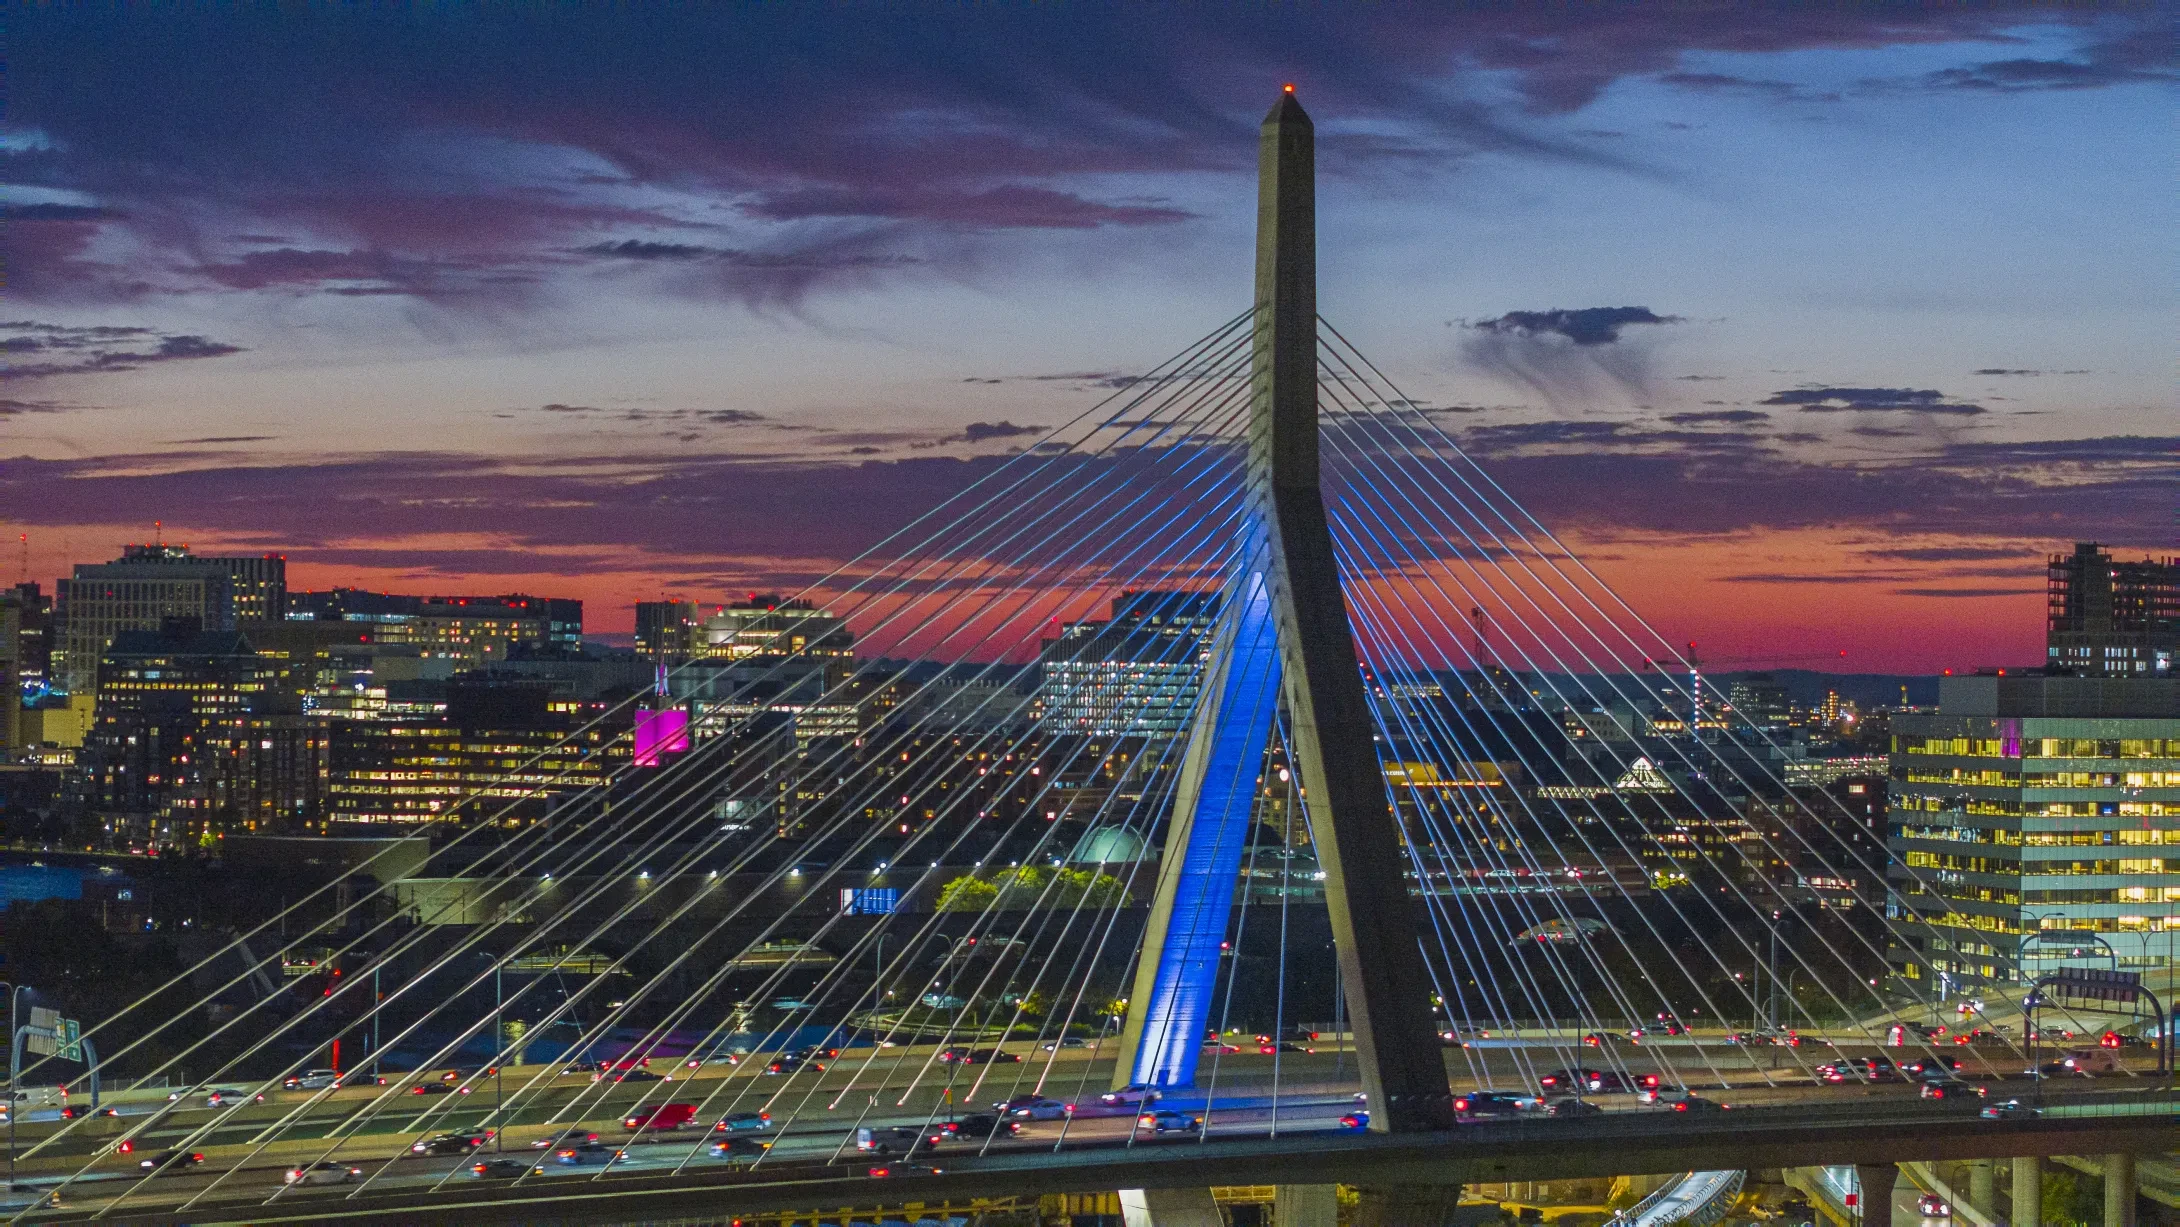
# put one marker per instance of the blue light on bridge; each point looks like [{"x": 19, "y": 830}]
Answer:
[{"x": 1188, "y": 964}]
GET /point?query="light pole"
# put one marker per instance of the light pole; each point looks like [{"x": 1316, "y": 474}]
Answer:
[
  {"x": 14, "y": 1067},
  {"x": 499, "y": 1095}
]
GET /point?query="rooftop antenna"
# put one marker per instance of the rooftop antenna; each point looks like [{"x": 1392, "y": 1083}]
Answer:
[{"x": 26, "y": 558}]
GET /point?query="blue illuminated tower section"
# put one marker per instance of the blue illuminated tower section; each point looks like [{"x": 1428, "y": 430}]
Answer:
[{"x": 1286, "y": 651}]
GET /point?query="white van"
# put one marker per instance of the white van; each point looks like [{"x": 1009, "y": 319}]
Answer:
[{"x": 2091, "y": 1062}]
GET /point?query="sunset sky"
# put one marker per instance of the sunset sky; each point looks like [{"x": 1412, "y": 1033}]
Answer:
[{"x": 1812, "y": 330}]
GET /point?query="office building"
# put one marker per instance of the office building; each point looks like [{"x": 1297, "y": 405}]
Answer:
[
  {"x": 2112, "y": 619},
  {"x": 475, "y": 632},
  {"x": 146, "y": 586},
  {"x": 33, "y": 643},
  {"x": 159, "y": 692},
  {"x": 1135, "y": 675},
  {"x": 669, "y": 628},
  {"x": 1760, "y": 699},
  {"x": 2035, "y": 822},
  {"x": 768, "y": 625}
]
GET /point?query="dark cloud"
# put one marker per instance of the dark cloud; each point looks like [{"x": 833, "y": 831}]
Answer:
[
  {"x": 979, "y": 432},
  {"x": 60, "y": 213},
  {"x": 1722, "y": 83},
  {"x": 1799, "y": 577},
  {"x": 1724, "y": 416},
  {"x": 380, "y": 154},
  {"x": 1873, "y": 400},
  {"x": 1569, "y": 357},
  {"x": 78, "y": 350},
  {"x": 1974, "y": 593},
  {"x": 1587, "y": 326},
  {"x": 229, "y": 439},
  {"x": 2002, "y": 370},
  {"x": 1950, "y": 553},
  {"x": 11, "y": 407}
]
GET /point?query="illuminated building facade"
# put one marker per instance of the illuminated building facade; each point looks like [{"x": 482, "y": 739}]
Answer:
[
  {"x": 2112, "y": 619},
  {"x": 1137, "y": 675},
  {"x": 2035, "y": 818},
  {"x": 160, "y": 695},
  {"x": 767, "y": 625}
]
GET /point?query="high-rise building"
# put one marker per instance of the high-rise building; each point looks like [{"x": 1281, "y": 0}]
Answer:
[
  {"x": 669, "y": 628},
  {"x": 158, "y": 694},
  {"x": 1136, "y": 675},
  {"x": 476, "y": 632},
  {"x": 1760, "y": 698},
  {"x": 33, "y": 649},
  {"x": 2112, "y": 619},
  {"x": 2035, "y": 823},
  {"x": 769, "y": 625},
  {"x": 149, "y": 584}
]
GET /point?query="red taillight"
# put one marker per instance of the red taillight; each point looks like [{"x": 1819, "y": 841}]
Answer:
[
  {"x": 126, "y": 1147},
  {"x": 1460, "y": 1105},
  {"x": 1680, "y": 1107},
  {"x": 416, "y": 1090},
  {"x": 1146, "y": 1120},
  {"x": 196, "y": 1158}
]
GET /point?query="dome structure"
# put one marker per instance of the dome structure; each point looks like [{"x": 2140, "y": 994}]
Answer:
[{"x": 1109, "y": 845}]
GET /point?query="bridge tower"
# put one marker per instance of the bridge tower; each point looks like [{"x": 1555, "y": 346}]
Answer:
[{"x": 1285, "y": 649}]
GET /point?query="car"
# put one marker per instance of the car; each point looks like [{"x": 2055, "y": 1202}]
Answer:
[
  {"x": 1595, "y": 1081},
  {"x": 1691, "y": 1103},
  {"x": 982, "y": 1125},
  {"x": 1477, "y": 1105},
  {"x": 665, "y": 1116},
  {"x": 1355, "y": 1122},
  {"x": 625, "y": 1062},
  {"x": 1069, "y": 1042},
  {"x": 1600, "y": 1039},
  {"x": 2054, "y": 1069},
  {"x": 1668, "y": 1027},
  {"x": 312, "y": 1080},
  {"x": 887, "y": 1139},
  {"x": 451, "y": 1143},
  {"x": 1168, "y": 1121},
  {"x": 500, "y": 1169},
  {"x": 1751, "y": 1039},
  {"x": 1858, "y": 1069},
  {"x": 991, "y": 1056},
  {"x": 1951, "y": 1088},
  {"x": 566, "y": 1137},
  {"x": 324, "y": 1172},
  {"x": 585, "y": 1154},
  {"x": 738, "y": 1148},
  {"x": 2012, "y": 1109},
  {"x": 812, "y": 1052},
  {"x": 947, "y": 1056},
  {"x": 788, "y": 1063},
  {"x": 745, "y": 1122},
  {"x": 1221, "y": 1046},
  {"x": 630, "y": 1075},
  {"x": 1932, "y": 1067},
  {"x": 1282, "y": 1046},
  {"x": 227, "y": 1097},
  {"x": 1928, "y": 1031},
  {"x": 461, "y": 1075},
  {"x": 1979, "y": 1036},
  {"x": 1135, "y": 1094},
  {"x": 1930, "y": 1205},
  {"x": 584, "y": 1067},
  {"x": 437, "y": 1088},
  {"x": 888, "y": 1171},
  {"x": 166, "y": 1163},
  {"x": 1037, "y": 1107},
  {"x": 1570, "y": 1108}
]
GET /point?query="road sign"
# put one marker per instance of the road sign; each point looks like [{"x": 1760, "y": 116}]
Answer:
[
  {"x": 69, "y": 1038},
  {"x": 2094, "y": 984}
]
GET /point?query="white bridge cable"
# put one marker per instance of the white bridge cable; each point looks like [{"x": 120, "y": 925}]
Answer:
[
  {"x": 1446, "y": 443},
  {"x": 602, "y": 1026},
  {"x": 1367, "y": 595},
  {"x": 1365, "y": 515},
  {"x": 1610, "y": 682},
  {"x": 1133, "y": 396}
]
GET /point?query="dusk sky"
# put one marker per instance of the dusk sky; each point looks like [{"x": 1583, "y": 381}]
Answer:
[{"x": 1812, "y": 330}]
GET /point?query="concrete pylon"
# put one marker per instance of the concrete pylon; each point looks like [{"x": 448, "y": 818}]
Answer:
[
  {"x": 1874, "y": 1182},
  {"x": 1306, "y": 1205},
  {"x": 2120, "y": 1191},
  {"x": 1169, "y": 1208},
  {"x": 2028, "y": 1191},
  {"x": 1287, "y": 644},
  {"x": 1983, "y": 1187}
]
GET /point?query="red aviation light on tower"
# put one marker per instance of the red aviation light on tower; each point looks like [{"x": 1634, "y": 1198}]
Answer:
[{"x": 1288, "y": 87}]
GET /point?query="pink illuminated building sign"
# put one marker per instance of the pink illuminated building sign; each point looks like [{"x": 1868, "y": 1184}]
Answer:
[{"x": 659, "y": 733}]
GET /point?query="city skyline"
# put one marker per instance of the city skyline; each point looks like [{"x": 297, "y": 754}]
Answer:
[{"x": 1774, "y": 319}]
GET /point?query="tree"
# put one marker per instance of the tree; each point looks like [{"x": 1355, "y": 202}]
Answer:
[{"x": 967, "y": 893}]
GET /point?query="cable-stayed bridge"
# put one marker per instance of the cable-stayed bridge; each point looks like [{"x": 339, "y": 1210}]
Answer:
[{"x": 1252, "y": 902}]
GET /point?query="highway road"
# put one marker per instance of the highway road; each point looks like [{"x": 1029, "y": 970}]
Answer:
[{"x": 817, "y": 1111}]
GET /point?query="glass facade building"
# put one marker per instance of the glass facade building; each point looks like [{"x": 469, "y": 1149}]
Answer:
[{"x": 2034, "y": 822}]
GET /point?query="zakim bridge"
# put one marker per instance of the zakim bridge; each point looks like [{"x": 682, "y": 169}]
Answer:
[{"x": 826, "y": 956}]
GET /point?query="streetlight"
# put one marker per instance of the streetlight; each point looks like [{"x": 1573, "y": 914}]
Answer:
[{"x": 499, "y": 1095}]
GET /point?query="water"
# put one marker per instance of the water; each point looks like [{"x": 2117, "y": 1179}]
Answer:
[{"x": 30, "y": 882}]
